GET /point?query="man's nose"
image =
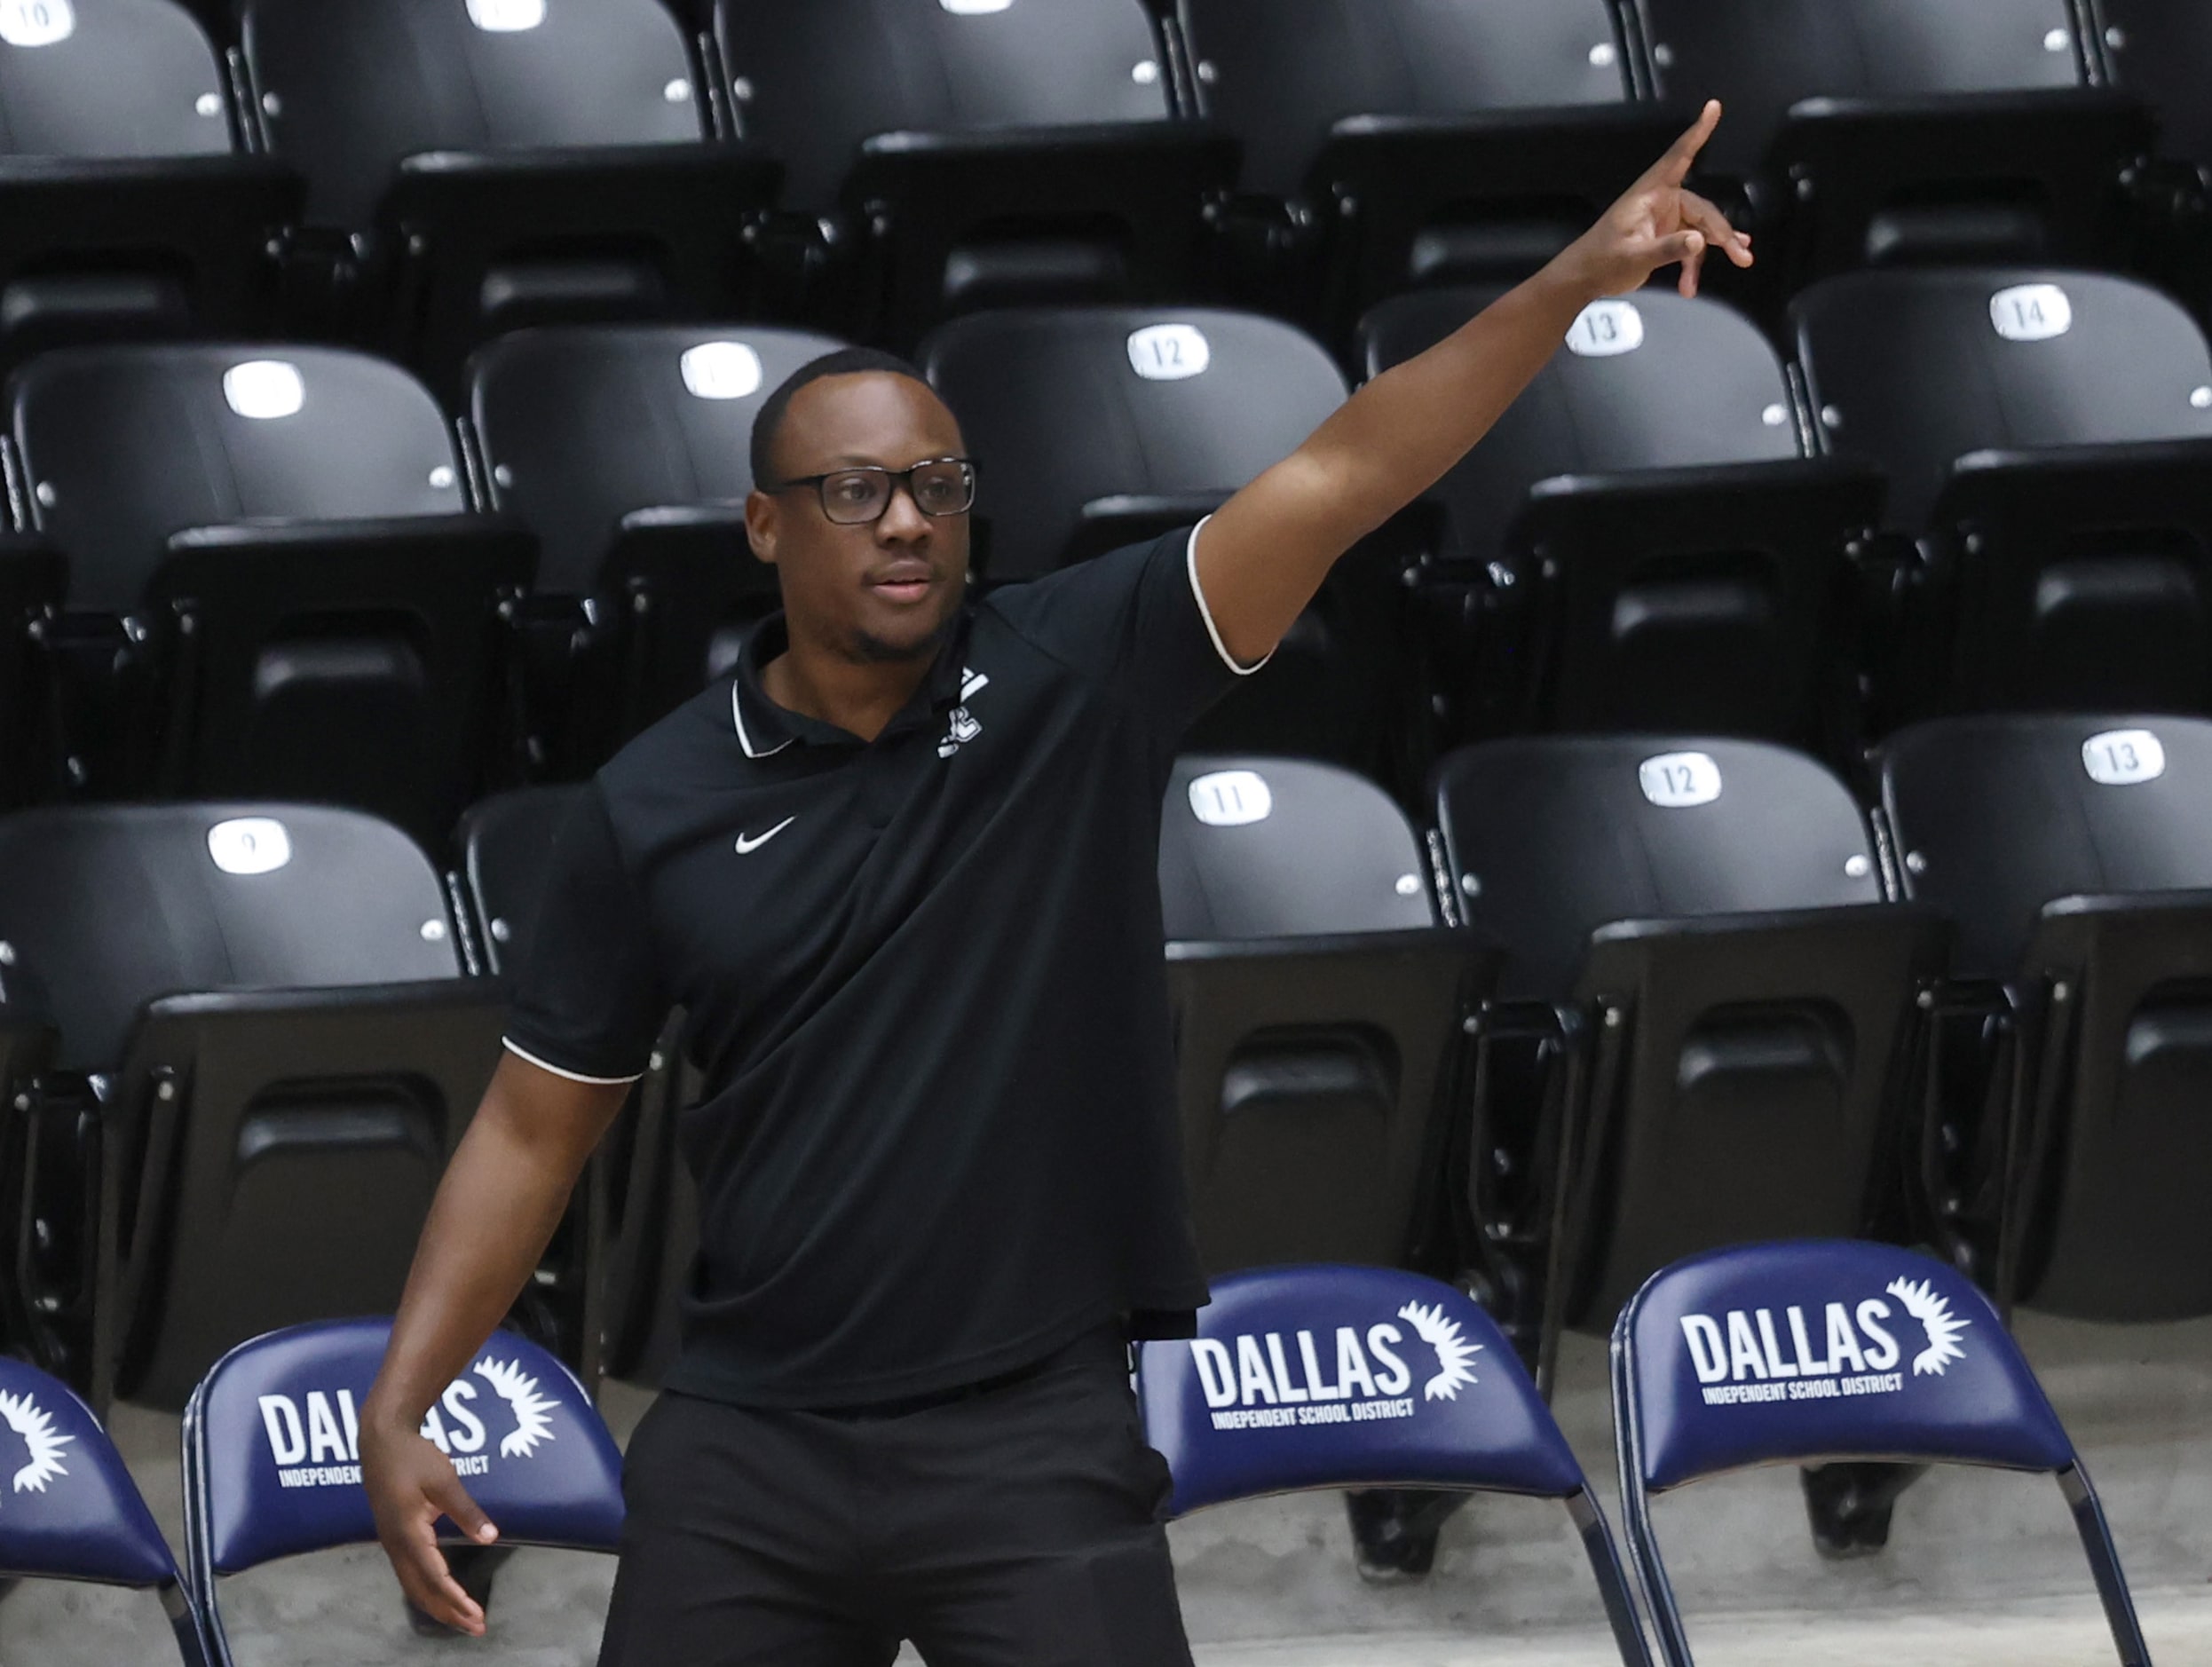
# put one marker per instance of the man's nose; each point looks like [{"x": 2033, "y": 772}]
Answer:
[{"x": 903, "y": 521}]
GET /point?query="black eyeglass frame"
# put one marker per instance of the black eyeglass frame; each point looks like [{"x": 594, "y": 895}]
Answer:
[{"x": 893, "y": 479}]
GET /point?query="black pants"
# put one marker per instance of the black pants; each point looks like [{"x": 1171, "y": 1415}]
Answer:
[{"x": 1015, "y": 1528}]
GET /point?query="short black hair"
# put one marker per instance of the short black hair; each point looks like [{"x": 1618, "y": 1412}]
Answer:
[{"x": 846, "y": 361}]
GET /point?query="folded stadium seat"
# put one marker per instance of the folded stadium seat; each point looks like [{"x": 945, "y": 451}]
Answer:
[
  {"x": 73, "y": 1512},
  {"x": 633, "y": 1242},
  {"x": 128, "y": 204},
  {"x": 1729, "y": 1361},
  {"x": 1699, "y": 923},
  {"x": 1641, "y": 543},
  {"x": 1318, "y": 1377},
  {"x": 281, "y": 587},
  {"x": 1318, "y": 1006},
  {"x": 1423, "y": 144},
  {"x": 2075, "y": 853},
  {"x": 973, "y": 153},
  {"x": 1093, "y": 427},
  {"x": 626, "y": 448},
  {"x": 1882, "y": 132},
  {"x": 474, "y": 166},
  {"x": 267, "y": 1050},
  {"x": 273, "y": 1464},
  {"x": 2048, "y": 434}
]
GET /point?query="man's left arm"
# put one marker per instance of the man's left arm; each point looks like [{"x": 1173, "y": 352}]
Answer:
[{"x": 1266, "y": 551}]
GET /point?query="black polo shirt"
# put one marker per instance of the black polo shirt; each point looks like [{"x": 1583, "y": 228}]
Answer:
[{"x": 924, "y": 982}]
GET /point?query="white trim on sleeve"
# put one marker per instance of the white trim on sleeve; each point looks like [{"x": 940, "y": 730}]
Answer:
[
  {"x": 573, "y": 1076},
  {"x": 1190, "y": 561}
]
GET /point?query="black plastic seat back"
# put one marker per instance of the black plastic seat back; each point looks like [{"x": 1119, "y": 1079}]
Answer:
[
  {"x": 1280, "y": 76},
  {"x": 584, "y": 426},
  {"x": 1760, "y": 57},
  {"x": 2161, "y": 51},
  {"x": 1272, "y": 848},
  {"x": 2075, "y": 853},
  {"x": 1094, "y": 425},
  {"x": 1996, "y": 816},
  {"x": 1914, "y": 370},
  {"x": 816, "y": 81},
  {"x": 126, "y": 446},
  {"x": 112, "y": 907},
  {"x": 1551, "y": 838},
  {"x": 1650, "y": 381},
  {"x": 506, "y": 849},
  {"x": 1317, "y": 1010},
  {"x": 1713, "y": 910},
  {"x": 351, "y": 88},
  {"x": 272, "y": 992},
  {"x": 114, "y": 78}
]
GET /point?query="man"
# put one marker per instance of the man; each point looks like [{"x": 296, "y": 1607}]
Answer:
[{"x": 900, "y": 873}]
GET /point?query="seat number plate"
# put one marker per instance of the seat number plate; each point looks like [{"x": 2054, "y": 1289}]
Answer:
[
  {"x": 1231, "y": 798},
  {"x": 1676, "y": 781},
  {"x": 1605, "y": 330},
  {"x": 2031, "y": 312},
  {"x": 2123, "y": 758}
]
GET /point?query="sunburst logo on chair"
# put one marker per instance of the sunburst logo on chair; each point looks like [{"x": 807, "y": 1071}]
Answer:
[
  {"x": 35, "y": 1426},
  {"x": 1455, "y": 1356},
  {"x": 1926, "y": 1304},
  {"x": 533, "y": 1412}
]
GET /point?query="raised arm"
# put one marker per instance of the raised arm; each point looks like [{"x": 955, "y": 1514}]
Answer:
[
  {"x": 1266, "y": 552},
  {"x": 496, "y": 1211}
]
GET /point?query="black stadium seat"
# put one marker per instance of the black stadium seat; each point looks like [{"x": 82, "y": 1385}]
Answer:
[
  {"x": 1874, "y": 132},
  {"x": 971, "y": 152},
  {"x": 1640, "y": 542},
  {"x": 2049, "y": 434},
  {"x": 128, "y": 203},
  {"x": 1318, "y": 1008},
  {"x": 506, "y": 163},
  {"x": 1095, "y": 426},
  {"x": 626, "y": 449},
  {"x": 286, "y": 1053},
  {"x": 1712, "y": 914},
  {"x": 2075, "y": 855},
  {"x": 1426, "y": 143},
  {"x": 275, "y": 544}
]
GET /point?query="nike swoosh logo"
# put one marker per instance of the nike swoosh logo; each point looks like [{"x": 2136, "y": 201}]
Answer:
[{"x": 747, "y": 847}]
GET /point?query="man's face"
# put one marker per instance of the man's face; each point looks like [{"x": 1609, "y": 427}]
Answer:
[{"x": 881, "y": 590}]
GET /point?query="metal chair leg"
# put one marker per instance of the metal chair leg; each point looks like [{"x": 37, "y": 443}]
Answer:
[{"x": 2112, "y": 1585}]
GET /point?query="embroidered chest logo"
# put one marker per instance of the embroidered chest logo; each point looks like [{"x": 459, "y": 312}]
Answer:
[{"x": 963, "y": 728}]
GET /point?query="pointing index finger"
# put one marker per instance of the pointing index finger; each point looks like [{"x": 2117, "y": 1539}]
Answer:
[{"x": 1674, "y": 167}]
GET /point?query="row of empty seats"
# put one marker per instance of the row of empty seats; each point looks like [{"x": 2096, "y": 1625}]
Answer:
[
  {"x": 286, "y": 573},
  {"x": 423, "y": 174},
  {"x": 270, "y": 1451},
  {"x": 1629, "y": 998}
]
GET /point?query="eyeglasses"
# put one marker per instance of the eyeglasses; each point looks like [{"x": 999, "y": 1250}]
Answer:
[{"x": 854, "y": 497}]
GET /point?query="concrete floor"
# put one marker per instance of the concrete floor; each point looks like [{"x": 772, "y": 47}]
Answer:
[{"x": 1982, "y": 1570}]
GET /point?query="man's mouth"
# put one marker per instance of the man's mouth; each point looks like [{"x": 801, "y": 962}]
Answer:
[{"x": 903, "y": 584}]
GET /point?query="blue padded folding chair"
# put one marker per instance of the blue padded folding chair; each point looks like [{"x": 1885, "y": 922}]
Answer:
[
  {"x": 272, "y": 1457},
  {"x": 1329, "y": 1377},
  {"x": 1819, "y": 1349},
  {"x": 72, "y": 1512}
]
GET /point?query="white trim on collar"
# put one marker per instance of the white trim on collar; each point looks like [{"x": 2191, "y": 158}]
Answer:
[
  {"x": 573, "y": 1076},
  {"x": 736, "y": 716},
  {"x": 1190, "y": 561}
]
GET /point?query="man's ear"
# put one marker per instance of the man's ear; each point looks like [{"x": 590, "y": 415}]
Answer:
[{"x": 761, "y": 525}]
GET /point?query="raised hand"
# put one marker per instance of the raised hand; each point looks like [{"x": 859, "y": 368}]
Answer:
[{"x": 1658, "y": 223}]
